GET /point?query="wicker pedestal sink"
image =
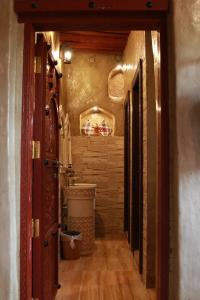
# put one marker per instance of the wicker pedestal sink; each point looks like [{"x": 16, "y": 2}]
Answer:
[{"x": 81, "y": 204}]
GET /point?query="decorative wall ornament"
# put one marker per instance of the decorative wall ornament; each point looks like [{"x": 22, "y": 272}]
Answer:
[{"x": 116, "y": 84}]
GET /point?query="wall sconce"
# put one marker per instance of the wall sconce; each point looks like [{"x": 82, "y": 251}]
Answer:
[{"x": 66, "y": 54}]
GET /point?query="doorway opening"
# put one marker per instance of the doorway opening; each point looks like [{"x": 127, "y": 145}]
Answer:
[
  {"x": 91, "y": 150},
  {"x": 31, "y": 42}
]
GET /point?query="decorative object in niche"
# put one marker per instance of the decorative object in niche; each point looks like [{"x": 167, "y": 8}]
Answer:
[
  {"x": 97, "y": 122},
  {"x": 96, "y": 129},
  {"x": 116, "y": 84}
]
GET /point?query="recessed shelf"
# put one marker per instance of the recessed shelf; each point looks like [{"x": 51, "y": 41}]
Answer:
[{"x": 97, "y": 121}]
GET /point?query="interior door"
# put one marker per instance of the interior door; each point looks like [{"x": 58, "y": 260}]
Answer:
[
  {"x": 127, "y": 165},
  {"x": 137, "y": 168},
  {"x": 45, "y": 175}
]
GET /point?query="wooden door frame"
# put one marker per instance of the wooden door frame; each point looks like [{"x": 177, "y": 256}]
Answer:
[
  {"x": 127, "y": 177},
  {"x": 138, "y": 77},
  {"x": 94, "y": 21}
]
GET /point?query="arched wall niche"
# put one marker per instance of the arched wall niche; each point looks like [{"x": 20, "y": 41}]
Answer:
[
  {"x": 97, "y": 121},
  {"x": 116, "y": 85}
]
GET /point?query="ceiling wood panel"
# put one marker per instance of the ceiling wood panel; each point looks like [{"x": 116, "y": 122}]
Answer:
[{"x": 104, "y": 41}]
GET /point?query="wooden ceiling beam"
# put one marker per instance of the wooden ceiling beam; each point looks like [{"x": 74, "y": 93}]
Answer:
[
  {"x": 44, "y": 6},
  {"x": 119, "y": 34},
  {"x": 95, "y": 41},
  {"x": 92, "y": 39}
]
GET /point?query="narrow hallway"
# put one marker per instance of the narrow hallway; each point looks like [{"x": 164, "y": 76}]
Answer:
[{"x": 110, "y": 273}]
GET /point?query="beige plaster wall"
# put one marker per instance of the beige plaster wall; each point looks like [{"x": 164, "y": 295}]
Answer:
[
  {"x": 185, "y": 148},
  {"x": 84, "y": 85},
  {"x": 10, "y": 126},
  {"x": 139, "y": 46}
]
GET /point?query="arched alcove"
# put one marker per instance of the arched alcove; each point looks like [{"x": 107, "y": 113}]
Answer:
[
  {"x": 97, "y": 121},
  {"x": 116, "y": 84}
]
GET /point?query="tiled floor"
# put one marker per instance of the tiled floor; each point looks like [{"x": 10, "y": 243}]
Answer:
[{"x": 109, "y": 274}]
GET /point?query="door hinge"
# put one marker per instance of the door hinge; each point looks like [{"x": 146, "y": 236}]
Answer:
[
  {"x": 35, "y": 149},
  {"x": 35, "y": 228},
  {"x": 37, "y": 64}
]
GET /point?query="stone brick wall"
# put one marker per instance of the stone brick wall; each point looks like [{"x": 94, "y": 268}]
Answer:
[{"x": 100, "y": 160}]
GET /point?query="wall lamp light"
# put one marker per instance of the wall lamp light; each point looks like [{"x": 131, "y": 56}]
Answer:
[{"x": 66, "y": 54}]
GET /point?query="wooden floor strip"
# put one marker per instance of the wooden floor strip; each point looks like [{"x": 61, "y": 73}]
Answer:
[{"x": 110, "y": 273}]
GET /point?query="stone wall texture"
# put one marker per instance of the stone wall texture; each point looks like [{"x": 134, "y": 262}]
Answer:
[{"x": 100, "y": 160}]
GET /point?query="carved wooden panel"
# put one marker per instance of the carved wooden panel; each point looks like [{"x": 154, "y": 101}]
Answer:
[
  {"x": 50, "y": 198},
  {"x": 45, "y": 179},
  {"x": 51, "y": 119},
  {"x": 50, "y": 134}
]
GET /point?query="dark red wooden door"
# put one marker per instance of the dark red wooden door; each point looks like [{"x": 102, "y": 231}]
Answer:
[{"x": 45, "y": 175}]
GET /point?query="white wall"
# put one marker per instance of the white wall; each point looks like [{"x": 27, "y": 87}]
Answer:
[
  {"x": 10, "y": 125},
  {"x": 185, "y": 149}
]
